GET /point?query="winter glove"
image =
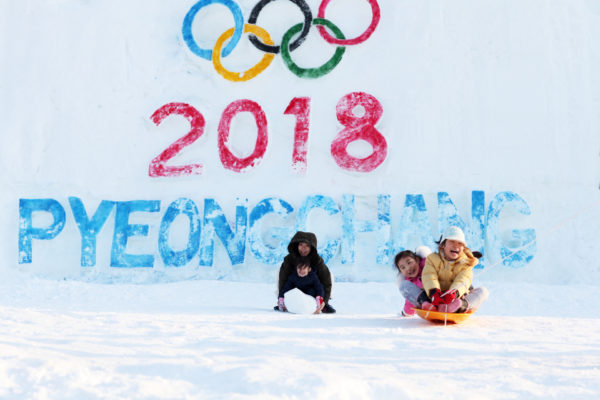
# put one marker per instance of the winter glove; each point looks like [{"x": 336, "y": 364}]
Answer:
[
  {"x": 449, "y": 296},
  {"x": 281, "y": 304},
  {"x": 320, "y": 304},
  {"x": 436, "y": 297},
  {"x": 422, "y": 299}
]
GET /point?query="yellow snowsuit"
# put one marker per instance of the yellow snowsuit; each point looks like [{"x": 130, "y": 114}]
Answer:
[{"x": 443, "y": 274}]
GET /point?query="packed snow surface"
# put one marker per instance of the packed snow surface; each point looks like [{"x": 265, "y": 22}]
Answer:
[{"x": 223, "y": 340}]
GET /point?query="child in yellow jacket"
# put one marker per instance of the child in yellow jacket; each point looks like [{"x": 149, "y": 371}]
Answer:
[{"x": 448, "y": 274}]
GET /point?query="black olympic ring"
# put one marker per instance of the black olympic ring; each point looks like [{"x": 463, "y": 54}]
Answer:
[{"x": 294, "y": 45}]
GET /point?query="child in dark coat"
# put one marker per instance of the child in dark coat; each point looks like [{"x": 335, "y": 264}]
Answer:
[{"x": 305, "y": 279}]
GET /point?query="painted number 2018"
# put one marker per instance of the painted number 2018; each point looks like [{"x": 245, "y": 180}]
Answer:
[{"x": 356, "y": 126}]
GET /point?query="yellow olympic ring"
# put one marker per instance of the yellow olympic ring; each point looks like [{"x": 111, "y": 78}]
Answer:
[{"x": 252, "y": 72}]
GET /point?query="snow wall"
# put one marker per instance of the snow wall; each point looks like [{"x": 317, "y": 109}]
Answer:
[{"x": 154, "y": 141}]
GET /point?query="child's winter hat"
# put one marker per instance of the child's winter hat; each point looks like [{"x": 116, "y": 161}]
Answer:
[{"x": 454, "y": 233}]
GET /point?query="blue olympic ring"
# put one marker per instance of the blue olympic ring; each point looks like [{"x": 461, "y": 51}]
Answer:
[{"x": 188, "y": 37}]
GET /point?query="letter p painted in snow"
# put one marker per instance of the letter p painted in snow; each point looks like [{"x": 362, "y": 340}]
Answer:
[{"x": 27, "y": 232}]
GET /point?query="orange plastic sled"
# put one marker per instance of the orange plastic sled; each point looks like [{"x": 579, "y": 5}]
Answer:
[{"x": 445, "y": 318}]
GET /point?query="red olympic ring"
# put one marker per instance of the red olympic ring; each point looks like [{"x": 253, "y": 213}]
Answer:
[{"x": 359, "y": 39}]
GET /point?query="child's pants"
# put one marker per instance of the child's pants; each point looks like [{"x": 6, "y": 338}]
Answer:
[{"x": 474, "y": 298}]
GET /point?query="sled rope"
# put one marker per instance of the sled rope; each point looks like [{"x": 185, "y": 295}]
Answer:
[{"x": 544, "y": 233}]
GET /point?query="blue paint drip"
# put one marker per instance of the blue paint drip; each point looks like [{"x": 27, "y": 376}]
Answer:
[
  {"x": 275, "y": 249},
  {"x": 348, "y": 230},
  {"x": 519, "y": 237},
  {"x": 447, "y": 213},
  {"x": 476, "y": 235},
  {"x": 89, "y": 228},
  {"x": 170, "y": 257},
  {"x": 351, "y": 226},
  {"x": 216, "y": 223},
  {"x": 415, "y": 228},
  {"x": 27, "y": 232},
  {"x": 448, "y": 216},
  {"x": 384, "y": 229},
  {"x": 330, "y": 249},
  {"x": 124, "y": 230}
]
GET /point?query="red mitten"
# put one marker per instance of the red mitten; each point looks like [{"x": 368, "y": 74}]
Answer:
[
  {"x": 436, "y": 297},
  {"x": 281, "y": 304},
  {"x": 320, "y": 304},
  {"x": 449, "y": 296}
]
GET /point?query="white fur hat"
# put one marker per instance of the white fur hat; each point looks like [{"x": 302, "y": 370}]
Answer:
[
  {"x": 423, "y": 251},
  {"x": 454, "y": 233}
]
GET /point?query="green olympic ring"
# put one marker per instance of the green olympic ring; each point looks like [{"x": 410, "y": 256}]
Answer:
[{"x": 312, "y": 72}]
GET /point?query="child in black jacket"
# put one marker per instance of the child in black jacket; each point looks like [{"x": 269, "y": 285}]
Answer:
[{"x": 305, "y": 279}]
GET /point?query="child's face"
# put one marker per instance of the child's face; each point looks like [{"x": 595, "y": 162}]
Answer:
[
  {"x": 408, "y": 267},
  {"x": 303, "y": 270},
  {"x": 303, "y": 249},
  {"x": 453, "y": 249}
]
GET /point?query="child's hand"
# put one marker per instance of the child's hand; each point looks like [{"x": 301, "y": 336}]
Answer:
[
  {"x": 436, "y": 297},
  {"x": 281, "y": 304},
  {"x": 449, "y": 296}
]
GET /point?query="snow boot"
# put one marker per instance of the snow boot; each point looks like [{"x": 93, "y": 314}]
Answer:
[
  {"x": 456, "y": 306},
  {"x": 328, "y": 309},
  {"x": 464, "y": 307}
]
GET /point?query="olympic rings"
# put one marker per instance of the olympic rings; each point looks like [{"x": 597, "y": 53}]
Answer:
[
  {"x": 252, "y": 72},
  {"x": 312, "y": 72},
  {"x": 365, "y": 35},
  {"x": 256, "y": 34},
  {"x": 188, "y": 37},
  {"x": 275, "y": 49}
]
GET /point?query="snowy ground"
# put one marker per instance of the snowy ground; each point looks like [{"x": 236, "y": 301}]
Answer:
[{"x": 217, "y": 340}]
